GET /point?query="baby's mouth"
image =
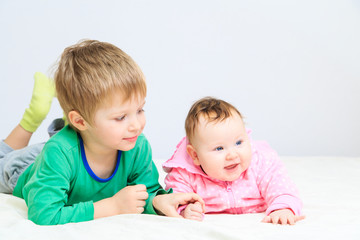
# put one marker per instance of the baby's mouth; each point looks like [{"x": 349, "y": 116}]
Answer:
[{"x": 232, "y": 166}]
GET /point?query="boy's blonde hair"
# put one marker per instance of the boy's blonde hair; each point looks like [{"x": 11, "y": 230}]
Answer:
[
  {"x": 90, "y": 71},
  {"x": 211, "y": 109}
]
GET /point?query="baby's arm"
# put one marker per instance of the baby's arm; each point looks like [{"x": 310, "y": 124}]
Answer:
[
  {"x": 278, "y": 190},
  {"x": 193, "y": 211},
  {"x": 283, "y": 217},
  {"x": 179, "y": 181}
]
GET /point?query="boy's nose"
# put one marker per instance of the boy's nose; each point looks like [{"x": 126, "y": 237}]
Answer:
[{"x": 135, "y": 125}]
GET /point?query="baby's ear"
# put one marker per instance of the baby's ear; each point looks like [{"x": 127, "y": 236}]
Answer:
[{"x": 192, "y": 153}]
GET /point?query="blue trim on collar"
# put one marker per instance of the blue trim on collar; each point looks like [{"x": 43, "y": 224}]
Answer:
[{"x": 88, "y": 168}]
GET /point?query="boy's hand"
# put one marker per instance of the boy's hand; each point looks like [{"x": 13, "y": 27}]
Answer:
[
  {"x": 130, "y": 199},
  {"x": 283, "y": 217},
  {"x": 193, "y": 211},
  {"x": 168, "y": 204}
]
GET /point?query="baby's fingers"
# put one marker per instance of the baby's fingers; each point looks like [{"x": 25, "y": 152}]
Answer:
[
  {"x": 283, "y": 220},
  {"x": 170, "y": 212},
  {"x": 197, "y": 207},
  {"x": 298, "y": 218},
  {"x": 266, "y": 219},
  {"x": 197, "y": 216},
  {"x": 275, "y": 219}
]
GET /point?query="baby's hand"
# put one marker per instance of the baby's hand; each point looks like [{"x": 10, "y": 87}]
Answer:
[
  {"x": 282, "y": 216},
  {"x": 193, "y": 211},
  {"x": 168, "y": 204}
]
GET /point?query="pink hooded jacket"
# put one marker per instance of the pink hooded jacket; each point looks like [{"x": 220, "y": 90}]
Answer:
[{"x": 264, "y": 186}]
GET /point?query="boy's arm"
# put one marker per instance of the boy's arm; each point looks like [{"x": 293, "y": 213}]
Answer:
[
  {"x": 46, "y": 192},
  {"x": 130, "y": 199},
  {"x": 145, "y": 172},
  {"x": 168, "y": 204}
]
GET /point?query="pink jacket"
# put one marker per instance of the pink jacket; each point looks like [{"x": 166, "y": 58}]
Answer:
[{"x": 264, "y": 186}]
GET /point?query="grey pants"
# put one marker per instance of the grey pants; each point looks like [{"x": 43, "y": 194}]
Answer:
[{"x": 14, "y": 162}]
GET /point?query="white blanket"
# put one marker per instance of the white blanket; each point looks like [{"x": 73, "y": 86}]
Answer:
[{"x": 329, "y": 187}]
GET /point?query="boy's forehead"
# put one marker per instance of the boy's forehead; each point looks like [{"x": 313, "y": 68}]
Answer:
[
  {"x": 119, "y": 101},
  {"x": 119, "y": 96}
]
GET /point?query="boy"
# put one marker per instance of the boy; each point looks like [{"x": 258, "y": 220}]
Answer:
[
  {"x": 230, "y": 172},
  {"x": 100, "y": 164}
]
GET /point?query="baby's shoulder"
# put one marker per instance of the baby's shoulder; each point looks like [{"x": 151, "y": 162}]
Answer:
[
  {"x": 262, "y": 147},
  {"x": 262, "y": 153}
]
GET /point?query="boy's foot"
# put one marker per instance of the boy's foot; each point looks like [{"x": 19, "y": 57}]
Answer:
[{"x": 39, "y": 107}]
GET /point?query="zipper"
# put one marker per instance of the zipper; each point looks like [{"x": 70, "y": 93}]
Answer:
[{"x": 231, "y": 197}]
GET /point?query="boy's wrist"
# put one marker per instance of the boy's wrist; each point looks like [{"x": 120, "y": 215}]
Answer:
[
  {"x": 105, "y": 208},
  {"x": 155, "y": 204},
  {"x": 155, "y": 201}
]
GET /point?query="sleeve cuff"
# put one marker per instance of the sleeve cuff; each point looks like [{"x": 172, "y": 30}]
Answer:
[
  {"x": 282, "y": 202},
  {"x": 149, "y": 208}
]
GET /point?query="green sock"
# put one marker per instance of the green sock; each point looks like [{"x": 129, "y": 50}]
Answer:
[{"x": 42, "y": 96}]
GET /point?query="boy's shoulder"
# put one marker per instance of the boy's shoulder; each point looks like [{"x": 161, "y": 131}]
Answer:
[
  {"x": 142, "y": 144},
  {"x": 66, "y": 138},
  {"x": 141, "y": 139}
]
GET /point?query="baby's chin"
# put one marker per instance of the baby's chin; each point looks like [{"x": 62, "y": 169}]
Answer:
[{"x": 229, "y": 178}]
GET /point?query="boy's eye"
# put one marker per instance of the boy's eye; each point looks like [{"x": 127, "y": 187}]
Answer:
[
  {"x": 238, "y": 142},
  {"x": 141, "y": 110},
  {"x": 120, "y": 118},
  {"x": 219, "y": 148}
]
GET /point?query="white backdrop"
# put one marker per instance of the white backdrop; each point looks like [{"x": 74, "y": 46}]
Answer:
[{"x": 291, "y": 67}]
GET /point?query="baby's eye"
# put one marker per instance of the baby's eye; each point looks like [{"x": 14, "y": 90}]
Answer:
[
  {"x": 219, "y": 148},
  {"x": 238, "y": 143},
  {"x": 141, "y": 110}
]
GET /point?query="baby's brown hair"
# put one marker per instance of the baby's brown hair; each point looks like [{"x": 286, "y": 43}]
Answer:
[{"x": 212, "y": 109}]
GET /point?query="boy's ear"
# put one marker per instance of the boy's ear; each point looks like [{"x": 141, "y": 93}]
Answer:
[
  {"x": 192, "y": 152},
  {"x": 77, "y": 120}
]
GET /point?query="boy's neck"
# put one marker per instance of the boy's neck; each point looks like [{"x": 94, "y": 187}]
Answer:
[{"x": 102, "y": 161}]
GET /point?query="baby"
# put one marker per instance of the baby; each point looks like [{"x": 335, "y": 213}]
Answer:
[{"x": 233, "y": 174}]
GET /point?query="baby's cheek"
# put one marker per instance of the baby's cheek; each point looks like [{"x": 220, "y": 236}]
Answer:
[{"x": 249, "y": 155}]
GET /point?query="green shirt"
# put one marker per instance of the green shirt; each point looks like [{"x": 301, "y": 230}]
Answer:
[{"x": 58, "y": 189}]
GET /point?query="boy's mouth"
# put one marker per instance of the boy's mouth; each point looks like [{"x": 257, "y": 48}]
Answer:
[{"x": 131, "y": 139}]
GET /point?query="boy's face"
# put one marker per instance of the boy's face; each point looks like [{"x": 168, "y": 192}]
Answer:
[
  {"x": 222, "y": 148},
  {"x": 117, "y": 125}
]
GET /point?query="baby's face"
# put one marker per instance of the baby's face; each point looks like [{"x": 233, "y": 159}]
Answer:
[{"x": 222, "y": 148}]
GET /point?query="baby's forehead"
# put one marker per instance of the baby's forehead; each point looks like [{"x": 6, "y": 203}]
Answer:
[
  {"x": 214, "y": 118},
  {"x": 207, "y": 123},
  {"x": 207, "y": 130}
]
